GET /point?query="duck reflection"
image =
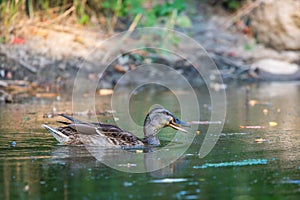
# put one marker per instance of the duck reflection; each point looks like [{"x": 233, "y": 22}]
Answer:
[{"x": 142, "y": 160}]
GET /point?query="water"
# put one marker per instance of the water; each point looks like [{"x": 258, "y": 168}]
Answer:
[{"x": 256, "y": 157}]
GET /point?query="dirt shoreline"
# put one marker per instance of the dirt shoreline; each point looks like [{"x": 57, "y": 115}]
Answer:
[{"x": 47, "y": 58}]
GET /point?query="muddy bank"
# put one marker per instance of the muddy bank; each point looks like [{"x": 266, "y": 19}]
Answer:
[{"x": 47, "y": 57}]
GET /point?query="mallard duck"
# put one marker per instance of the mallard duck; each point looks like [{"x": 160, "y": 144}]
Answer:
[{"x": 76, "y": 132}]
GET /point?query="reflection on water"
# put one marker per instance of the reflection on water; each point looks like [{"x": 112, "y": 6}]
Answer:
[{"x": 33, "y": 166}]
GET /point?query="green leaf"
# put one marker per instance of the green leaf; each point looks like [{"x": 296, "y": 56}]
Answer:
[
  {"x": 84, "y": 19},
  {"x": 106, "y": 4},
  {"x": 150, "y": 19},
  {"x": 183, "y": 21},
  {"x": 248, "y": 47}
]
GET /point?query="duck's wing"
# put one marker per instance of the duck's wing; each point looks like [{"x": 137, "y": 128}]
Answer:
[
  {"x": 77, "y": 132},
  {"x": 118, "y": 136},
  {"x": 101, "y": 134}
]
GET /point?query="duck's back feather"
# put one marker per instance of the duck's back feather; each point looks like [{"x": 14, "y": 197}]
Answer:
[{"x": 94, "y": 134}]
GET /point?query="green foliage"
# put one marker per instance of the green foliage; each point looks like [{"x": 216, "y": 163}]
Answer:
[
  {"x": 184, "y": 21},
  {"x": 153, "y": 12},
  {"x": 150, "y": 12},
  {"x": 232, "y": 4}
]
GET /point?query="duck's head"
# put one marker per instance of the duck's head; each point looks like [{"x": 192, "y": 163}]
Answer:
[{"x": 157, "y": 119}]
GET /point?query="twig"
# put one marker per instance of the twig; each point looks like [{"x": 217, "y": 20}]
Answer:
[
  {"x": 27, "y": 66},
  {"x": 65, "y": 14},
  {"x": 244, "y": 11},
  {"x": 21, "y": 62},
  {"x": 135, "y": 22},
  {"x": 132, "y": 26}
]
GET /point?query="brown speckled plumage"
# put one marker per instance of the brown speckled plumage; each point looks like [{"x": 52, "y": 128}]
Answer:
[{"x": 98, "y": 134}]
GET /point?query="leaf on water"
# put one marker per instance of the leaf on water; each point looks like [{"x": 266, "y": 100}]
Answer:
[
  {"x": 252, "y": 102},
  {"x": 252, "y": 127},
  {"x": 104, "y": 92},
  {"x": 273, "y": 123},
  {"x": 139, "y": 151},
  {"x": 260, "y": 140}
]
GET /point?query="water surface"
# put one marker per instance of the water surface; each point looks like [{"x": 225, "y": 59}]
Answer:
[{"x": 256, "y": 157}]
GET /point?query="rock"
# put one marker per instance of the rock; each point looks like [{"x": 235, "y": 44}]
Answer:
[
  {"x": 277, "y": 24},
  {"x": 275, "y": 70}
]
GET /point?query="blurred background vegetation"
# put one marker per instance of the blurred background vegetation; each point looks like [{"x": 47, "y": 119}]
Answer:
[{"x": 110, "y": 14}]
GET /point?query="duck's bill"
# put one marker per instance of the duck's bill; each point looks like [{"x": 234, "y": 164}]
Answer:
[{"x": 177, "y": 124}]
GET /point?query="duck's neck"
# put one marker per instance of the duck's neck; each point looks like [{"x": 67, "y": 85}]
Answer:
[{"x": 150, "y": 134}]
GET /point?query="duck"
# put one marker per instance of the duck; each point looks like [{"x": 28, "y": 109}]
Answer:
[{"x": 76, "y": 132}]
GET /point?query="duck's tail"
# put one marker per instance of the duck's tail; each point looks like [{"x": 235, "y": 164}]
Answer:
[{"x": 59, "y": 136}]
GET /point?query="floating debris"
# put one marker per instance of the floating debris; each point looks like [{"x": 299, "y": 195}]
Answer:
[
  {"x": 273, "y": 123},
  {"x": 46, "y": 95},
  {"x": 278, "y": 110},
  {"x": 218, "y": 86},
  {"x": 139, "y": 151},
  {"x": 255, "y": 102},
  {"x": 234, "y": 163},
  {"x": 169, "y": 180},
  {"x": 110, "y": 111},
  {"x": 252, "y": 127},
  {"x": 127, "y": 165},
  {"x": 252, "y": 102},
  {"x": 26, "y": 188},
  {"x": 260, "y": 140},
  {"x": 104, "y": 92}
]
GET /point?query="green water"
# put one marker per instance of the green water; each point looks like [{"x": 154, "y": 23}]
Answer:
[{"x": 246, "y": 163}]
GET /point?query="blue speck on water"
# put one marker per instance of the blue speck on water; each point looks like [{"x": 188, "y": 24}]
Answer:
[
  {"x": 169, "y": 180},
  {"x": 234, "y": 163},
  {"x": 193, "y": 183},
  {"x": 181, "y": 193},
  {"x": 42, "y": 182},
  {"x": 273, "y": 159},
  {"x": 289, "y": 181},
  {"x": 13, "y": 144},
  {"x": 127, "y": 184}
]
